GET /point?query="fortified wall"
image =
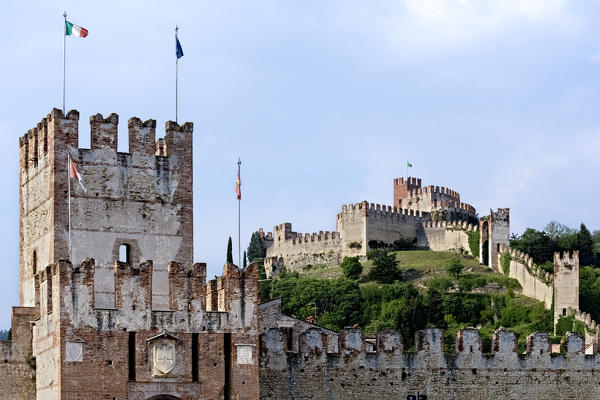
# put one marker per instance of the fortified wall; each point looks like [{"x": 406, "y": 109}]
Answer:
[
  {"x": 535, "y": 282},
  {"x": 358, "y": 225},
  {"x": 357, "y": 370}
]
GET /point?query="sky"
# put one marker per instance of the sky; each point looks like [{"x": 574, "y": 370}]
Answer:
[{"x": 324, "y": 102}]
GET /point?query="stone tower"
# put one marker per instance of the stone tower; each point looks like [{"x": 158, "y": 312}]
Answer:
[
  {"x": 124, "y": 314},
  {"x": 138, "y": 204},
  {"x": 495, "y": 231},
  {"x": 566, "y": 284}
]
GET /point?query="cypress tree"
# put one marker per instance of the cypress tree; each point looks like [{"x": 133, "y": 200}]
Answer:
[
  {"x": 244, "y": 259},
  {"x": 229, "y": 251}
]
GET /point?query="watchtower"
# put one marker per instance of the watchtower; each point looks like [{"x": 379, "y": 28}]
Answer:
[{"x": 138, "y": 205}]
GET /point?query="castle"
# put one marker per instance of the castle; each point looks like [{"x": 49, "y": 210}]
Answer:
[
  {"x": 433, "y": 217},
  {"x": 113, "y": 307}
]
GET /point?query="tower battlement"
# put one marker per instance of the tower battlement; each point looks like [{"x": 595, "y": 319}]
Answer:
[{"x": 432, "y": 199}]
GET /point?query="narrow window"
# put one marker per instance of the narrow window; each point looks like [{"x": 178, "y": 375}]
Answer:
[
  {"x": 131, "y": 356},
  {"x": 124, "y": 255},
  {"x": 289, "y": 335},
  {"x": 227, "y": 351},
  {"x": 34, "y": 262},
  {"x": 49, "y": 291},
  {"x": 564, "y": 312},
  {"x": 194, "y": 357},
  {"x": 498, "y": 247}
]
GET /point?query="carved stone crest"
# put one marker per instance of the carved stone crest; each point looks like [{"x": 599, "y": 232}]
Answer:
[
  {"x": 74, "y": 351},
  {"x": 164, "y": 354},
  {"x": 244, "y": 354}
]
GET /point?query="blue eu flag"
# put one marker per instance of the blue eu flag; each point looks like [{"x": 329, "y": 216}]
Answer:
[{"x": 178, "y": 49}]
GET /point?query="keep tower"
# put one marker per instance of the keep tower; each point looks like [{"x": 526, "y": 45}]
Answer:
[{"x": 138, "y": 204}]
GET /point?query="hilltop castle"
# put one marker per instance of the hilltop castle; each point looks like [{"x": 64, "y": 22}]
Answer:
[{"x": 119, "y": 311}]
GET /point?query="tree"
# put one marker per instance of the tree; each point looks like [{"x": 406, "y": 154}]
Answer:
[
  {"x": 244, "y": 260},
  {"x": 585, "y": 244},
  {"x": 385, "y": 268},
  {"x": 454, "y": 267},
  {"x": 229, "y": 251},
  {"x": 352, "y": 267},
  {"x": 256, "y": 248},
  {"x": 555, "y": 229}
]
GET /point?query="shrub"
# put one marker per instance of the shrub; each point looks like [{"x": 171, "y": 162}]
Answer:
[
  {"x": 385, "y": 268},
  {"x": 505, "y": 263},
  {"x": 473, "y": 237},
  {"x": 355, "y": 245},
  {"x": 454, "y": 267},
  {"x": 352, "y": 267}
]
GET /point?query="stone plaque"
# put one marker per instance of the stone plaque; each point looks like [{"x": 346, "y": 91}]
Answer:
[
  {"x": 164, "y": 356},
  {"x": 244, "y": 354},
  {"x": 74, "y": 351}
]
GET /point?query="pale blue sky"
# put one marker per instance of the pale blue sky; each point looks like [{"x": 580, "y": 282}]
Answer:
[{"x": 325, "y": 101}]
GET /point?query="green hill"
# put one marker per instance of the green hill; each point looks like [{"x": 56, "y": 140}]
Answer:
[{"x": 425, "y": 296}]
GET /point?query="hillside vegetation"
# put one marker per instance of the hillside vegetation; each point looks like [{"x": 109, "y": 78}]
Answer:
[{"x": 422, "y": 294}]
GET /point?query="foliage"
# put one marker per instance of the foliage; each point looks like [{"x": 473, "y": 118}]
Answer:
[
  {"x": 505, "y": 263},
  {"x": 385, "y": 268},
  {"x": 352, "y": 267},
  {"x": 564, "y": 325},
  {"x": 229, "y": 251},
  {"x": 485, "y": 252},
  {"x": 400, "y": 244},
  {"x": 556, "y": 237},
  {"x": 473, "y": 238},
  {"x": 245, "y": 262},
  {"x": 256, "y": 247},
  {"x": 589, "y": 291},
  {"x": 454, "y": 267},
  {"x": 3, "y": 335},
  {"x": 334, "y": 302},
  {"x": 355, "y": 245}
]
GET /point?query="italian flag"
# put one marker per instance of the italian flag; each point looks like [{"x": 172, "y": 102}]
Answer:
[{"x": 73, "y": 30}]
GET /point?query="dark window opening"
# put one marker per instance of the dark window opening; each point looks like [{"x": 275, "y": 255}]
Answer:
[
  {"x": 498, "y": 247},
  {"x": 289, "y": 343},
  {"x": 564, "y": 312},
  {"x": 34, "y": 262},
  {"x": 227, "y": 351},
  {"x": 124, "y": 253},
  {"x": 131, "y": 356},
  {"x": 194, "y": 357}
]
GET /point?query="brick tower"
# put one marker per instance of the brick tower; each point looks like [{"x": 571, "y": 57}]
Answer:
[{"x": 125, "y": 314}]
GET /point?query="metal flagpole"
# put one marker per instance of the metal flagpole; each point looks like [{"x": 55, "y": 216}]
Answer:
[
  {"x": 69, "y": 190},
  {"x": 239, "y": 219},
  {"x": 176, "y": 74},
  {"x": 64, "y": 58}
]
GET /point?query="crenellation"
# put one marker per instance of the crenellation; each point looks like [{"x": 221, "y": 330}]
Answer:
[
  {"x": 142, "y": 136},
  {"x": 104, "y": 131}
]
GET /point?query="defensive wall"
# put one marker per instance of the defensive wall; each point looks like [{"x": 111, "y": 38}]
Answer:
[
  {"x": 386, "y": 370},
  {"x": 535, "y": 282},
  {"x": 356, "y": 226},
  {"x": 446, "y": 236},
  {"x": 82, "y": 350},
  {"x": 441, "y": 202}
]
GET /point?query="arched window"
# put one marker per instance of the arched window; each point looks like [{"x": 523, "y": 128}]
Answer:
[
  {"x": 34, "y": 262},
  {"x": 564, "y": 312},
  {"x": 124, "y": 253}
]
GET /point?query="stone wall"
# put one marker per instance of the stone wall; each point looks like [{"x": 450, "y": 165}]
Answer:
[
  {"x": 535, "y": 282},
  {"x": 446, "y": 236},
  {"x": 354, "y": 372},
  {"x": 17, "y": 367}
]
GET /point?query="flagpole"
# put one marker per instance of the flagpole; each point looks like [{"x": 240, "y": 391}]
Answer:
[
  {"x": 64, "y": 58},
  {"x": 69, "y": 190},
  {"x": 176, "y": 73},
  {"x": 239, "y": 220}
]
